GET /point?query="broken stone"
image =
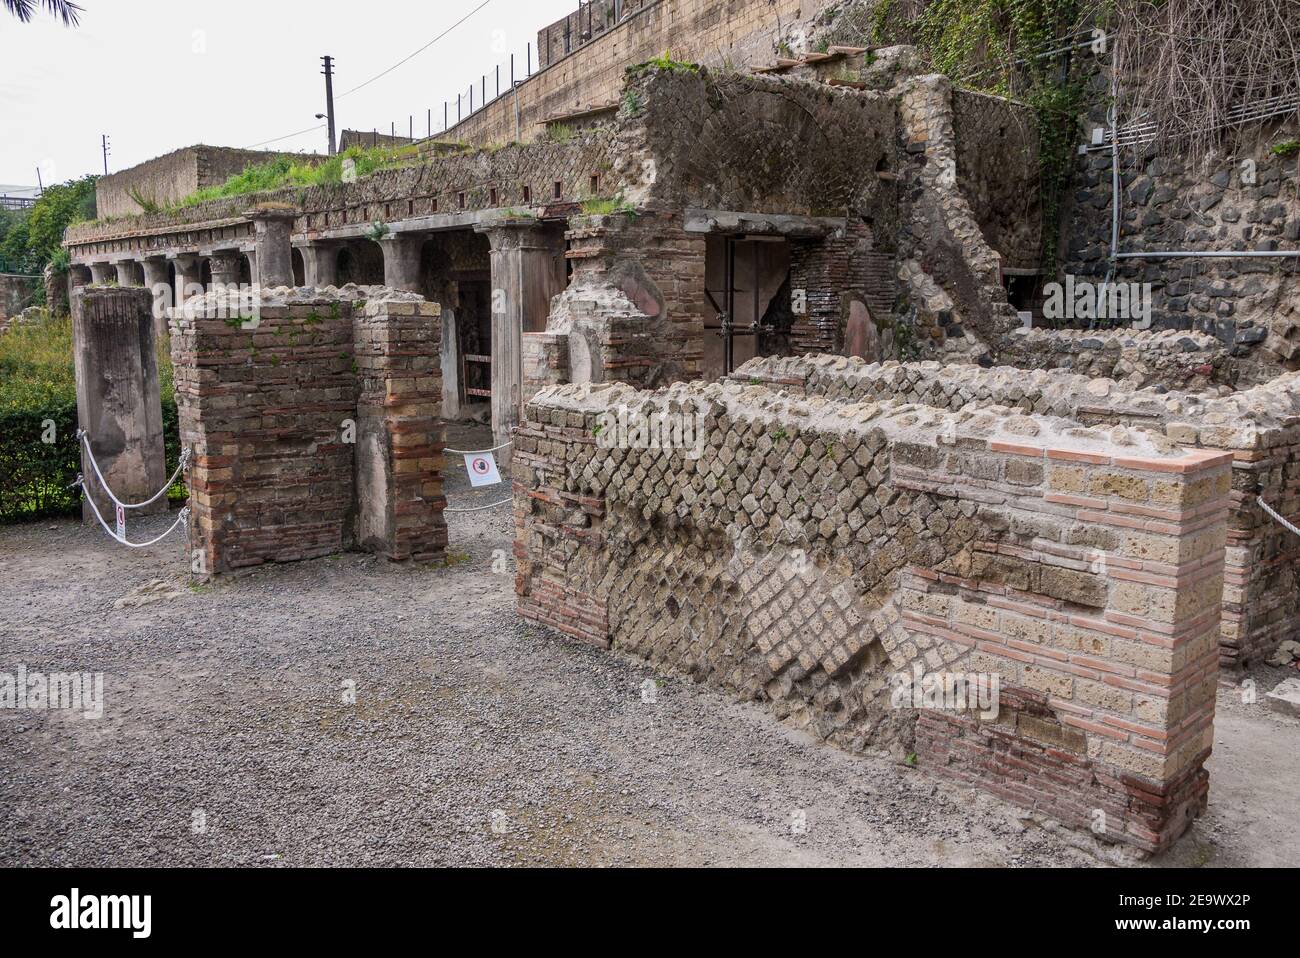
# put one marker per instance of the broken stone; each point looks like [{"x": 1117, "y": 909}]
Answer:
[{"x": 1285, "y": 698}]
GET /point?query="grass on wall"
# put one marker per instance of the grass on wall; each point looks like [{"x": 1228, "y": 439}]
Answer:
[{"x": 285, "y": 171}]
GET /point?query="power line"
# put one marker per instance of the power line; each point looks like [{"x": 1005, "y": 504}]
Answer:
[
  {"x": 290, "y": 135},
  {"x": 377, "y": 76},
  {"x": 416, "y": 53}
]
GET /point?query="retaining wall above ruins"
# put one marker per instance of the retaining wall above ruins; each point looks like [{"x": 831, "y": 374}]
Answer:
[{"x": 731, "y": 33}]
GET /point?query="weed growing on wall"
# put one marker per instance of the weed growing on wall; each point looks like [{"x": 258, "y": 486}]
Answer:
[{"x": 285, "y": 171}]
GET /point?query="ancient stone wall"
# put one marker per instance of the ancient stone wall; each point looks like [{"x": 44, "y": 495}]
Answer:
[
  {"x": 998, "y": 171},
  {"x": 807, "y": 552},
  {"x": 1173, "y": 202},
  {"x": 312, "y": 424},
  {"x": 171, "y": 178},
  {"x": 950, "y": 273},
  {"x": 16, "y": 292},
  {"x": 1260, "y": 427},
  {"x": 732, "y": 141},
  {"x": 1169, "y": 358}
]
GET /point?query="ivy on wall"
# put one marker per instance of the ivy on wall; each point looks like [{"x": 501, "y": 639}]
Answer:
[
  {"x": 994, "y": 46},
  {"x": 997, "y": 46}
]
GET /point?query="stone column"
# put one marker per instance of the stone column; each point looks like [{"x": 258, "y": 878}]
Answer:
[
  {"x": 225, "y": 268},
  {"x": 450, "y": 365},
  {"x": 118, "y": 401},
  {"x": 189, "y": 277},
  {"x": 129, "y": 273},
  {"x": 157, "y": 280},
  {"x": 103, "y": 274},
  {"x": 523, "y": 278},
  {"x": 320, "y": 262},
  {"x": 402, "y": 261},
  {"x": 78, "y": 275},
  {"x": 273, "y": 252}
]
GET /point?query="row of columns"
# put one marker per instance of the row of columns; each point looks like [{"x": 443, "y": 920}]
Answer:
[
  {"x": 523, "y": 282},
  {"x": 225, "y": 266}
]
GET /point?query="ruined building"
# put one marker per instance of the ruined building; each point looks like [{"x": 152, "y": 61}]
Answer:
[{"x": 748, "y": 249}]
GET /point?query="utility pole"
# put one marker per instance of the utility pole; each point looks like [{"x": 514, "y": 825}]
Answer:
[
  {"x": 103, "y": 145},
  {"x": 329, "y": 98}
]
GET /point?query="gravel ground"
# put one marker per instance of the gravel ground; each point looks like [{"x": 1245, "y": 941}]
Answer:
[{"x": 474, "y": 739}]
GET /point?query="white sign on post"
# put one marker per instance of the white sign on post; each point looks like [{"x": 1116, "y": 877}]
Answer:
[
  {"x": 482, "y": 468},
  {"x": 121, "y": 523}
]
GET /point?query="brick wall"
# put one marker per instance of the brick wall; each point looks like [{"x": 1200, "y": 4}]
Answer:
[
  {"x": 807, "y": 552},
  {"x": 1260, "y": 427},
  {"x": 312, "y": 428}
]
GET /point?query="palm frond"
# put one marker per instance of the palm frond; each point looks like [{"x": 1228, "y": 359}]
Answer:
[{"x": 68, "y": 12}]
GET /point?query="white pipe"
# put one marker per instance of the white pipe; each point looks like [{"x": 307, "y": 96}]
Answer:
[
  {"x": 1114, "y": 162},
  {"x": 1114, "y": 203},
  {"x": 1207, "y": 254}
]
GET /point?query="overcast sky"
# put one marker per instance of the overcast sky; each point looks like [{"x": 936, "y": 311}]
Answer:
[{"x": 157, "y": 75}]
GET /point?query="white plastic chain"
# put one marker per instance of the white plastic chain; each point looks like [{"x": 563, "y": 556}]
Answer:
[
  {"x": 103, "y": 483},
  {"x": 480, "y": 452},
  {"x": 1267, "y": 508},
  {"x": 180, "y": 519},
  {"x": 503, "y": 502}
]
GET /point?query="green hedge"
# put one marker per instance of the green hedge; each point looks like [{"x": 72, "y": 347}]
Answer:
[{"x": 35, "y": 475}]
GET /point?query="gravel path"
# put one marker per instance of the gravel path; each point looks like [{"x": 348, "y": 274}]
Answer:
[{"x": 474, "y": 739}]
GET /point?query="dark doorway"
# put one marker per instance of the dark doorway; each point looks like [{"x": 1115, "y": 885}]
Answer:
[{"x": 747, "y": 280}]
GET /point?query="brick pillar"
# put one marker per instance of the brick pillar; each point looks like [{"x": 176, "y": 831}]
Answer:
[
  {"x": 523, "y": 280},
  {"x": 402, "y": 261},
  {"x": 1107, "y": 649},
  {"x": 266, "y": 413},
  {"x": 320, "y": 264},
  {"x": 273, "y": 252},
  {"x": 103, "y": 274},
  {"x": 118, "y": 400},
  {"x": 400, "y": 438},
  {"x": 189, "y": 278},
  {"x": 225, "y": 268},
  {"x": 820, "y": 269}
]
